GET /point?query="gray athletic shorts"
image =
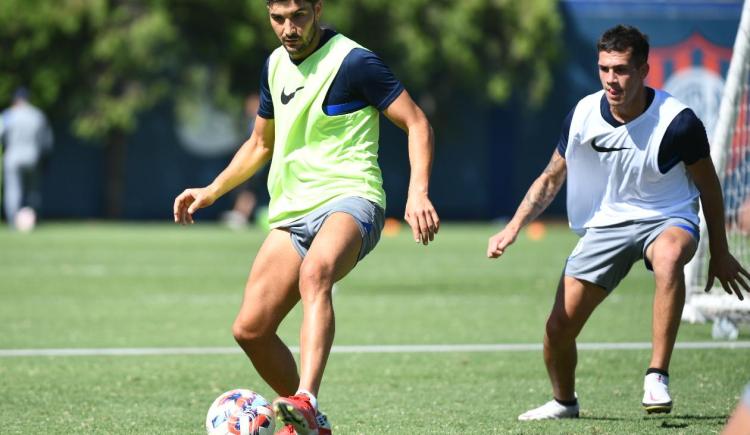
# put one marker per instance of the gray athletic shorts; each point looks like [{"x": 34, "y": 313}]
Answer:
[
  {"x": 605, "y": 255},
  {"x": 369, "y": 216}
]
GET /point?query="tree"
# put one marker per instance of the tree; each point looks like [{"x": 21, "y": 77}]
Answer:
[
  {"x": 491, "y": 48},
  {"x": 101, "y": 63},
  {"x": 98, "y": 62}
]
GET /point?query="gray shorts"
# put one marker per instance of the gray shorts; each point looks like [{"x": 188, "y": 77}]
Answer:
[
  {"x": 369, "y": 216},
  {"x": 605, "y": 255}
]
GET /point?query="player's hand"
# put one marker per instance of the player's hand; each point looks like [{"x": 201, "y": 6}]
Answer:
[
  {"x": 189, "y": 201},
  {"x": 730, "y": 273},
  {"x": 422, "y": 218},
  {"x": 500, "y": 242}
]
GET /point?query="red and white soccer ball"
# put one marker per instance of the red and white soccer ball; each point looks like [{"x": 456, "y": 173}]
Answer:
[{"x": 240, "y": 412}]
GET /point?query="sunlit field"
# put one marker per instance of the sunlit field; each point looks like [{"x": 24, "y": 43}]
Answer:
[{"x": 168, "y": 295}]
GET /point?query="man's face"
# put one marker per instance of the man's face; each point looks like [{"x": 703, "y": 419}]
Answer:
[
  {"x": 621, "y": 78},
  {"x": 296, "y": 25}
]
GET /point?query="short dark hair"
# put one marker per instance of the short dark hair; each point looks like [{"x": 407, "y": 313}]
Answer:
[{"x": 621, "y": 38}]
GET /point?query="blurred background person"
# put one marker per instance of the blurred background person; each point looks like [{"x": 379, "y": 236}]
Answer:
[
  {"x": 252, "y": 193},
  {"x": 27, "y": 140}
]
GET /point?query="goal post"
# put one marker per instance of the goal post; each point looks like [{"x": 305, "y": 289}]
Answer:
[{"x": 730, "y": 152}]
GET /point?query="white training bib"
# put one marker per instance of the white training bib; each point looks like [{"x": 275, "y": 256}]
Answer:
[{"x": 613, "y": 172}]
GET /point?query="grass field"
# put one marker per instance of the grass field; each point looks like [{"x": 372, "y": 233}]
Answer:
[{"x": 94, "y": 286}]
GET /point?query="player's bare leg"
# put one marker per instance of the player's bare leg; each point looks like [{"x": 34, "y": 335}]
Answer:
[
  {"x": 574, "y": 303},
  {"x": 668, "y": 255},
  {"x": 271, "y": 292},
  {"x": 331, "y": 256}
]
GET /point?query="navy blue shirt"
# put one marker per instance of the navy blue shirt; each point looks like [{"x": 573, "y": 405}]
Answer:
[
  {"x": 684, "y": 141},
  {"x": 362, "y": 80}
]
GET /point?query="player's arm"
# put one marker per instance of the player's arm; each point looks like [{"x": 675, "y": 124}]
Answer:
[
  {"x": 420, "y": 213},
  {"x": 539, "y": 196},
  {"x": 251, "y": 156},
  {"x": 722, "y": 265}
]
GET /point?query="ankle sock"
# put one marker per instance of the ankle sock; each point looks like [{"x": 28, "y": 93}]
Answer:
[
  {"x": 573, "y": 402},
  {"x": 658, "y": 371},
  {"x": 313, "y": 399}
]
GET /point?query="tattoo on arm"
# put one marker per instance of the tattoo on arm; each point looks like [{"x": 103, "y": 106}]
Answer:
[{"x": 544, "y": 189}]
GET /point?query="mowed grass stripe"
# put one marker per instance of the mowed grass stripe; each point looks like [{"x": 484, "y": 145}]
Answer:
[
  {"x": 112, "y": 287},
  {"x": 406, "y": 348}
]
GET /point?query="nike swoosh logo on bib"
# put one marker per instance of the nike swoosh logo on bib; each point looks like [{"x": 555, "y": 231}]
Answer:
[
  {"x": 287, "y": 98},
  {"x": 605, "y": 150}
]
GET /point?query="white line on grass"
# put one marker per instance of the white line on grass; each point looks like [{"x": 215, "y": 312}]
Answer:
[{"x": 396, "y": 348}]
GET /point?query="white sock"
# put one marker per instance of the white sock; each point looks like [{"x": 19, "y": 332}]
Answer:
[{"x": 313, "y": 399}]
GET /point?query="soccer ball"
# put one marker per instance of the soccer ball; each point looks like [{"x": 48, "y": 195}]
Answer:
[{"x": 240, "y": 412}]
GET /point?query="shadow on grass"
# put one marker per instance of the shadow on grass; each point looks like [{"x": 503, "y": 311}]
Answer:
[
  {"x": 688, "y": 417},
  {"x": 597, "y": 418},
  {"x": 683, "y": 421},
  {"x": 668, "y": 421}
]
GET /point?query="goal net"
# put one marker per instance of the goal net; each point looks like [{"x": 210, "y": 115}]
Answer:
[{"x": 730, "y": 152}]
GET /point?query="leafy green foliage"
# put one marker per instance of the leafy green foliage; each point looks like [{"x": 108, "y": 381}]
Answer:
[
  {"x": 488, "y": 46},
  {"x": 102, "y": 62}
]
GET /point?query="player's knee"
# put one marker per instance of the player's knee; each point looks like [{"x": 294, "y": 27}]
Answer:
[
  {"x": 315, "y": 277},
  {"x": 669, "y": 261},
  {"x": 673, "y": 250},
  {"x": 559, "y": 329},
  {"x": 246, "y": 333}
]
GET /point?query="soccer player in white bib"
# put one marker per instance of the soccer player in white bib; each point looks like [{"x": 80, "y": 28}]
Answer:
[
  {"x": 318, "y": 122},
  {"x": 637, "y": 162}
]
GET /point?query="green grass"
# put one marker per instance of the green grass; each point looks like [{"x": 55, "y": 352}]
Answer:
[{"x": 94, "y": 285}]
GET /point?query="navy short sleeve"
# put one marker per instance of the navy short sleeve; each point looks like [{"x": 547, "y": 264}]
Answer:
[
  {"x": 684, "y": 141},
  {"x": 363, "y": 80},
  {"x": 265, "y": 108},
  {"x": 562, "y": 143}
]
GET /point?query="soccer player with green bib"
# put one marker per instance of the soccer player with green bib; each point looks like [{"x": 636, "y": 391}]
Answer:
[{"x": 318, "y": 122}]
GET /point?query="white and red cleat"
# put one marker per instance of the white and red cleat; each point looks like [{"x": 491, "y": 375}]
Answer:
[{"x": 298, "y": 412}]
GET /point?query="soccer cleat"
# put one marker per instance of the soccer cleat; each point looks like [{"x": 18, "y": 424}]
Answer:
[
  {"x": 656, "y": 399},
  {"x": 298, "y": 412},
  {"x": 324, "y": 426},
  {"x": 550, "y": 411}
]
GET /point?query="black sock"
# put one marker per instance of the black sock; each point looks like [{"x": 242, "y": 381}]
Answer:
[
  {"x": 573, "y": 402},
  {"x": 659, "y": 371}
]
